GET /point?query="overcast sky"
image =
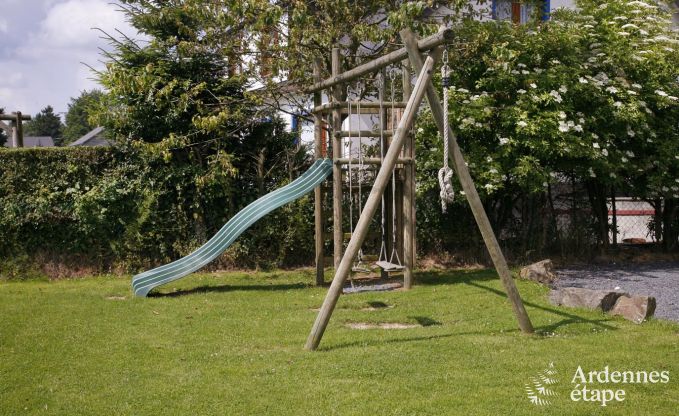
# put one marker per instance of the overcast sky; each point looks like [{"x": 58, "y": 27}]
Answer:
[{"x": 43, "y": 45}]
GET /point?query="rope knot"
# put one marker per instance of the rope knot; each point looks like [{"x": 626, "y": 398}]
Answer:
[{"x": 447, "y": 193}]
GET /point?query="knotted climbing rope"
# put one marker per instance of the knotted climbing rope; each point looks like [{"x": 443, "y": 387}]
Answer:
[{"x": 445, "y": 175}]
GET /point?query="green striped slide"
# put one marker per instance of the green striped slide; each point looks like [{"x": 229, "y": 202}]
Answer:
[{"x": 143, "y": 283}]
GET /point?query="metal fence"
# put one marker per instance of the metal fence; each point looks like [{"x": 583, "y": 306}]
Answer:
[{"x": 631, "y": 221}]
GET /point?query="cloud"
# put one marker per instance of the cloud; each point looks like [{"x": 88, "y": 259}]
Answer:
[
  {"x": 46, "y": 65},
  {"x": 71, "y": 27},
  {"x": 4, "y": 27},
  {"x": 70, "y": 24}
]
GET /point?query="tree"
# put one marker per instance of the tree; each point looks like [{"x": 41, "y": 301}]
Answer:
[
  {"x": 78, "y": 117},
  {"x": 45, "y": 123},
  {"x": 175, "y": 89},
  {"x": 268, "y": 41},
  {"x": 175, "y": 100}
]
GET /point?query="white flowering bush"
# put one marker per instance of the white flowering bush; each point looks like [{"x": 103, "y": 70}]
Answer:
[{"x": 591, "y": 94}]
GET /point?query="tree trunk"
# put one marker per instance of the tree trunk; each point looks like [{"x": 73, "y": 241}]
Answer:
[
  {"x": 261, "y": 172},
  {"x": 596, "y": 193},
  {"x": 669, "y": 224},
  {"x": 657, "y": 220}
]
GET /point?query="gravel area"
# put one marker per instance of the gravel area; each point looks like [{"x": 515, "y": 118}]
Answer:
[{"x": 660, "y": 280}]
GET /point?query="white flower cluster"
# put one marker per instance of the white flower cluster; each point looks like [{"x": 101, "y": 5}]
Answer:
[
  {"x": 664, "y": 94},
  {"x": 640, "y": 4},
  {"x": 567, "y": 125},
  {"x": 556, "y": 96}
]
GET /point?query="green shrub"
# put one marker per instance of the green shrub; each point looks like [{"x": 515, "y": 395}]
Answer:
[{"x": 125, "y": 210}]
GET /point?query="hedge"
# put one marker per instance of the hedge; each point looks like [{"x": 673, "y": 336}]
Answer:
[{"x": 70, "y": 211}]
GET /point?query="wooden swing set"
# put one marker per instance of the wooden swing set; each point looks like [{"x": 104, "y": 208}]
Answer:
[{"x": 398, "y": 151}]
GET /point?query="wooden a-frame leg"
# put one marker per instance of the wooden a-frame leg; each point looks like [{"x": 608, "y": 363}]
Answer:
[{"x": 470, "y": 190}]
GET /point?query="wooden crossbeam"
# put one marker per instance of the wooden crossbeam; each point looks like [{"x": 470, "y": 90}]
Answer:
[
  {"x": 13, "y": 117},
  {"x": 431, "y": 42},
  {"x": 363, "y": 133},
  {"x": 371, "y": 161},
  {"x": 364, "y": 105}
]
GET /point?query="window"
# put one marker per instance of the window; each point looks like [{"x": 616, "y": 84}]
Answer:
[{"x": 518, "y": 12}]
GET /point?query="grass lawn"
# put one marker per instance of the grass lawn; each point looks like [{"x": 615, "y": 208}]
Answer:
[{"x": 234, "y": 347}]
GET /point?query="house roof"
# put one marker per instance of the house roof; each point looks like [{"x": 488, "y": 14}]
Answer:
[
  {"x": 84, "y": 141},
  {"x": 34, "y": 141}
]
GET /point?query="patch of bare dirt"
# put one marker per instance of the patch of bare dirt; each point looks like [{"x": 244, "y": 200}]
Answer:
[{"x": 382, "y": 325}]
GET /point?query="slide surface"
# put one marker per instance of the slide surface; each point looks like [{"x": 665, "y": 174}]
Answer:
[{"x": 145, "y": 282}]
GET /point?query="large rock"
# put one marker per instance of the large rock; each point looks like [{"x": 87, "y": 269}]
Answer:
[
  {"x": 576, "y": 297},
  {"x": 634, "y": 308},
  {"x": 541, "y": 272}
]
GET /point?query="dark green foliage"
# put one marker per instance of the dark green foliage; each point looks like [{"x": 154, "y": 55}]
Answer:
[
  {"x": 45, "y": 123},
  {"x": 78, "y": 118},
  {"x": 175, "y": 88}
]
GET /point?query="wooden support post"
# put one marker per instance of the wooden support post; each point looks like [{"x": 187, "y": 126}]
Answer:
[
  {"x": 408, "y": 192},
  {"x": 318, "y": 192},
  {"x": 470, "y": 190},
  {"x": 338, "y": 236},
  {"x": 19, "y": 130},
  {"x": 15, "y": 129},
  {"x": 371, "y": 204},
  {"x": 13, "y": 136}
]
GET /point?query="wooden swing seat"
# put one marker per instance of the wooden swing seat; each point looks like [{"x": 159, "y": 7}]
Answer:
[{"x": 389, "y": 266}]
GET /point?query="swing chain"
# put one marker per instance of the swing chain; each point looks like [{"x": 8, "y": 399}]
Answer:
[
  {"x": 358, "y": 264},
  {"x": 392, "y": 74},
  {"x": 394, "y": 124},
  {"x": 350, "y": 167},
  {"x": 383, "y": 246},
  {"x": 361, "y": 166},
  {"x": 359, "y": 90}
]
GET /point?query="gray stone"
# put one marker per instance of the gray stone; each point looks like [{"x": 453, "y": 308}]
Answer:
[
  {"x": 576, "y": 297},
  {"x": 634, "y": 308},
  {"x": 541, "y": 272}
]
